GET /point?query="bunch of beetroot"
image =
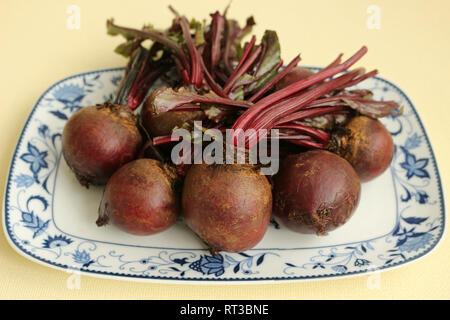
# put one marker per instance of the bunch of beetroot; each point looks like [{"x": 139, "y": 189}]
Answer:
[{"x": 330, "y": 137}]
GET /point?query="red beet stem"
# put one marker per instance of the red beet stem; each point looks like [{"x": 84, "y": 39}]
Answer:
[
  {"x": 275, "y": 80},
  {"x": 237, "y": 71},
  {"x": 279, "y": 65},
  {"x": 289, "y": 136},
  {"x": 260, "y": 62},
  {"x": 311, "y": 112},
  {"x": 303, "y": 99},
  {"x": 317, "y": 134},
  {"x": 238, "y": 84},
  {"x": 165, "y": 139},
  {"x": 186, "y": 107},
  {"x": 230, "y": 39},
  {"x": 244, "y": 68},
  {"x": 148, "y": 145},
  {"x": 226, "y": 55},
  {"x": 334, "y": 63},
  {"x": 218, "y": 23},
  {"x": 185, "y": 76},
  {"x": 247, "y": 51},
  {"x": 359, "y": 79},
  {"x": 181, "y": 72},
  {"x": 335, "y": 100},
  {"x": 308, "y": 144},
  {"x": 140, "y": 86},
  {"x": 220, "y": 76},
  {"x": 158, "y": 37},
  {"x": 139, "y": 76},
  {"x": 248, "y": 116},
  {"x": 290, "y": 105},
  {"x": 210, "y": 80},
  {"x": 142, "y": 68},
  {"x": 196, "y": 75},
  {"x": 371, "y": 108}
]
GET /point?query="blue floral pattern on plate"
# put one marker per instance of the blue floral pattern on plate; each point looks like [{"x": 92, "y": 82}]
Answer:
[{"x": 31, "y": 229}]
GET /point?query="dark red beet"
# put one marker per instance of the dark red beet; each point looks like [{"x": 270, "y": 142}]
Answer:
[
  {"x": 228, "y": 206},
  {"x": 366, "y": 144},
  {"x": 98, "y": 140},
  {"x": 140, "y": 198},
  {"x": 315, "y": 191},
  {"x": 296, "y": 74}
]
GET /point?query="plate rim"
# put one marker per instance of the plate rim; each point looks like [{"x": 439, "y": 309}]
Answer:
[{"x": 261, "y": 280}]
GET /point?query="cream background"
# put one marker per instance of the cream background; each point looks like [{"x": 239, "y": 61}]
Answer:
[{"x": 411, "y": 49}]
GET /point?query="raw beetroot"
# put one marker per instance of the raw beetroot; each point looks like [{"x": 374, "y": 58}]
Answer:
[
  {"x": 97, "y": 140},
  {"x": 228, "y": 206},
  {"x": 366, "y": 144},
  {"x": 140, "y": 198},
  {"x": 315, "y": 191}
]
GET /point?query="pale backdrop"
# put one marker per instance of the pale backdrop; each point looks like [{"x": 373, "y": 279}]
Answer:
[{"x": 411, "y": 49}]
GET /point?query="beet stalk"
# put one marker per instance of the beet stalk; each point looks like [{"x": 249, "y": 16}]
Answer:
[
  {"x": 248, "y": 116},
  {"x": 294, "y": 75},
  {"x": 285, "y": 107}
]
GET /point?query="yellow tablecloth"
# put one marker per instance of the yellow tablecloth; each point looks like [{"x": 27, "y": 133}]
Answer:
[{"x": 408, "y": 42}]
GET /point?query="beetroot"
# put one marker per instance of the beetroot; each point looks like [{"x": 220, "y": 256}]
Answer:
[
  {"x": 140, "y": 198},
  {"x": 366, "y": 144},
  {"x": 315, "y": 191},
  {"x": 228, "y": 206},
  {"x": 97, "y": 140}
]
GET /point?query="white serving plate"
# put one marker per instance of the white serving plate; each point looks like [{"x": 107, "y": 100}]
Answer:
[{"x": 49, "y": 218}]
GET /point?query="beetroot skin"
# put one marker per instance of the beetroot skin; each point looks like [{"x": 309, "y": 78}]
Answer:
[
  {"x": 140, "y": 198},
  {"x": 228, "y": 206},
  {"x": 366, "y": 144},
  {"x": 98, "y": 140},
  {"x": 315, "y": 191}
]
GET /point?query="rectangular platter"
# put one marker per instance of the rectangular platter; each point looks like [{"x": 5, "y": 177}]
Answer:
[{"x": 50, "y": 219}]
